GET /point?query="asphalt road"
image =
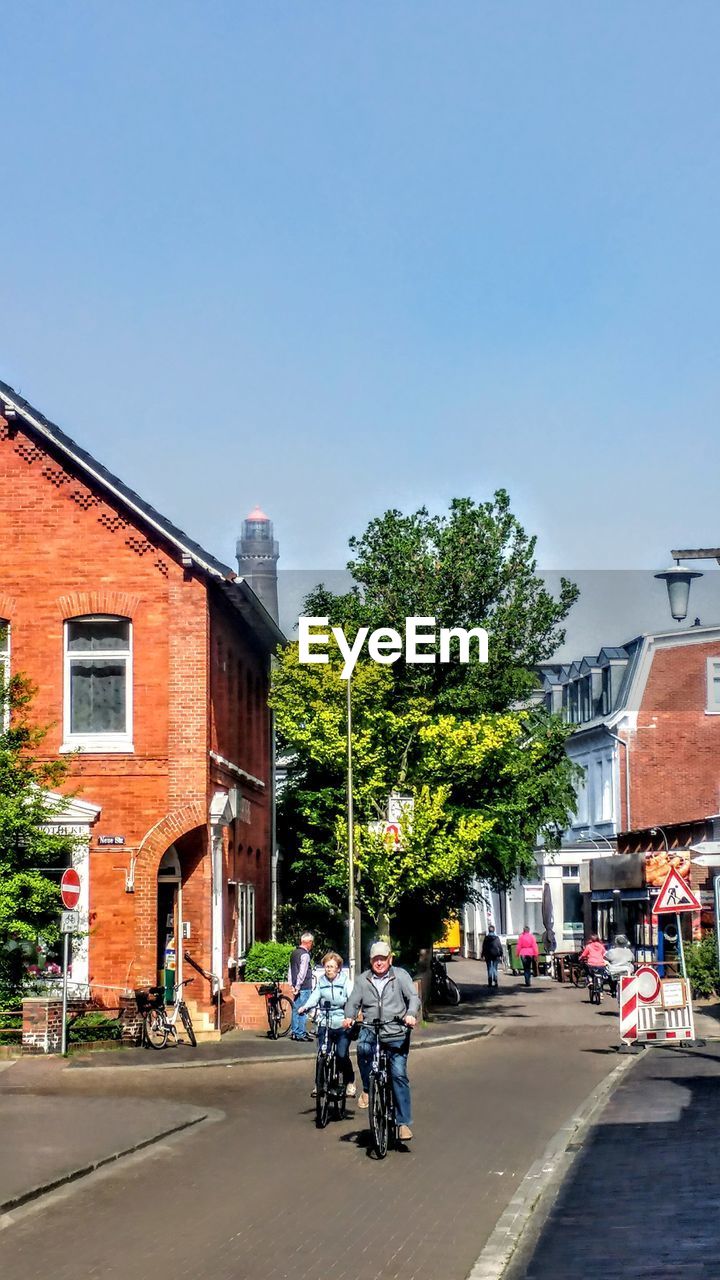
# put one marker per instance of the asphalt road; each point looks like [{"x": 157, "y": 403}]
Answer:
[{"x": 262, "y": 1195}]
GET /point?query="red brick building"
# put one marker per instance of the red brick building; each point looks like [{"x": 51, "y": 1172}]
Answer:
[
  {"x": 152, "y": 663},
  {"x": 647, "y": 738}
]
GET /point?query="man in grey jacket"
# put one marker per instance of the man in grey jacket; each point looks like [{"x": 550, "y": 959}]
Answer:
[{"x": 389, "y": 994}]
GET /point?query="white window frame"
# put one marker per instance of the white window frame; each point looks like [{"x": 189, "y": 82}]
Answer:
[
  {"x": 582, "y": 815},
  {"x": 98, "y": 743},
  {"x": 5, "y": 668},
  {"x": 245, "y": 918},
  {"x": 712, "y": 697}
]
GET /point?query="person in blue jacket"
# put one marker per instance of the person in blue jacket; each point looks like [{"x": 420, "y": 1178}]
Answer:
[{"x": 333, "y": 989}]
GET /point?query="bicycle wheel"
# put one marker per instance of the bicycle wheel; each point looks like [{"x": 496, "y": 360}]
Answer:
[
  {"x": 322, "y": 1097},
  {"x": 187, "y": 1023},
  {"x": 284, "y": 1016},
  {"x": 336, "y": 1089},
  {"x": 379, "y": 1119},
  {"x": 156, "y": 1029},
  {"x": 453, "y": 992}
]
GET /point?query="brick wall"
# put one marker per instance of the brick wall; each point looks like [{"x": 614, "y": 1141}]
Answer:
[
  {"x": 68, "y": 551},
  {"x": 41, "y": 1025},
  {"x": 675, "y": 751}
]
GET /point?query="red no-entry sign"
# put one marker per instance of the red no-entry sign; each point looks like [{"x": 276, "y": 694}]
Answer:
[{"x": 70, "y": 888}]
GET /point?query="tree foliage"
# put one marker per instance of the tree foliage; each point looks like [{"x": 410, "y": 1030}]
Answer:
[
  {"x": 486, "y": 773},
  {"x": 29, "y": 893}
]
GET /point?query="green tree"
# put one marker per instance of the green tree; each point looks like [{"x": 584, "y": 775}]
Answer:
[
  {"x": 29, "y": 893},
  {"x": 486, "y": 773}
]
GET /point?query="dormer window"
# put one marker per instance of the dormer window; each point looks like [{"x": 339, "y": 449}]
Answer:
[{"x": 98, "y": 684}]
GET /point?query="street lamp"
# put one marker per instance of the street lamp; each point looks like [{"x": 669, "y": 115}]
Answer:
[
  {"x": 677, "y": 580},
  {"x": 351, "y": 841}
]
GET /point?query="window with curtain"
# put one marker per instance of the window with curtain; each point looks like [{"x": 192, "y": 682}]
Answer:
[{"x": 98, "y": 683}]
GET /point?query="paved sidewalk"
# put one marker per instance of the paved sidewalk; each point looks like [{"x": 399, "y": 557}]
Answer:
[
  {"x": 49, "y": 1141},
  {"x": 642, "y": 1197}
]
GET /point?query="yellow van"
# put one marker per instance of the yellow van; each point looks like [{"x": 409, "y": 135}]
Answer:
[{"x": 449, "y": 945}]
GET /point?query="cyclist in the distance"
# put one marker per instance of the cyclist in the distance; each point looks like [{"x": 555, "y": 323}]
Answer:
[
  {"x": 333, "y": 989},
  {"x": 388, "y": 994}
]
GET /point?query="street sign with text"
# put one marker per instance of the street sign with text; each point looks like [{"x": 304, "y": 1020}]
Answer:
[{"x": 69, "y": 921}]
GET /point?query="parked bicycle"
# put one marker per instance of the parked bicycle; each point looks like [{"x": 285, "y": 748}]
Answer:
[
  {"x": 159, "y": 1026},
  {"x": 381, "y": 1099},
  {"x": 330, "y": 1085},
  {"x": 278, "y": 1007},
  {"x": 442, "y": 988}
]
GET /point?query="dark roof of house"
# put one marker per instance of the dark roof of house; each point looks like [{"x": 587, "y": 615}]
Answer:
[{"x": 240, "y": 594}]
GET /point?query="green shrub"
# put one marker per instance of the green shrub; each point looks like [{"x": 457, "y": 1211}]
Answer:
[
  {"x": 272, "y": 956},
  {"x": 10, "y": 1028},
  {"x": 702, "y": 966},
  {"x": 94, "y": 1026}
]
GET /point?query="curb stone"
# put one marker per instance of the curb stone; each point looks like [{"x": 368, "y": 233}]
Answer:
[
  {"x": 547, "y": 1173},
  {"x": 476, "y": 1034},
  {"x": 74, "y": 1175}
]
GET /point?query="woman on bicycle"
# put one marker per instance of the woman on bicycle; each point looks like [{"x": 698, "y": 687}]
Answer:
[
  {"x": 333, "y": 989},
  {"x": 593, "y": 953}
]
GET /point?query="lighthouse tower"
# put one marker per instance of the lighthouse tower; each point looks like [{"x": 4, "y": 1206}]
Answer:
[{"x": 257, "y": 556}]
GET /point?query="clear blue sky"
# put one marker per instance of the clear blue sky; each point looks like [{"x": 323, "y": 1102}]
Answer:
[{"x": 331, "y": 257}]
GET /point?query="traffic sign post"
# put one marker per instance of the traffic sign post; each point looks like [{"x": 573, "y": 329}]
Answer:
[
  {"x": 675, "y": 897},
  {"x": 69, "y": 921},
  {"x": 63, "y": 1028}
]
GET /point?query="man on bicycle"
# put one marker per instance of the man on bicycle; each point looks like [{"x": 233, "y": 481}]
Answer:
[{"x": 386, "y": 994}]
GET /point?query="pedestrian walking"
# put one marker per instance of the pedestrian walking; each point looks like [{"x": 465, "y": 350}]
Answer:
[
  {"x": 491, "y": 953},
  {"x": 300, "y": 979},
  {"x": 527, "y": 949}
]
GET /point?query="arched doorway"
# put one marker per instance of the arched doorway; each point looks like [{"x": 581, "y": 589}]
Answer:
[{"x": 169, "y": 922}]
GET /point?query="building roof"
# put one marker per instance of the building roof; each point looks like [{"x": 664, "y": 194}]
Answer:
[{"x": 242, "y": 597}]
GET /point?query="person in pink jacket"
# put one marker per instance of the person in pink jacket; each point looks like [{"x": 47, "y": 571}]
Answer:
[
  {"x": 527, "y": 949},
  {"x": 593, "y": 953}
]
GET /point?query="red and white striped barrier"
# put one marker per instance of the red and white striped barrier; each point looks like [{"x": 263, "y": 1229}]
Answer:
[
  {"x": 628, "y": 1008},
  {"x": 645, "y": 1015}
]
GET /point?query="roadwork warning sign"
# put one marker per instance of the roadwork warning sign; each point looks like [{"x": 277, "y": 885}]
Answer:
[{"x": 675, "y": 895}]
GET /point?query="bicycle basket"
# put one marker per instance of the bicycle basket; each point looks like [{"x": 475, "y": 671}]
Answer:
[
  {"x": 148, "y": 998},
  {"x": 266, "y": 989}
]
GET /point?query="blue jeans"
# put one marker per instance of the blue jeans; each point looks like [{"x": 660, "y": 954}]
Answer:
[
  {"x": 398, "y": 1053},
  {"x": 299, "y": 1021},
  {"x": 342, "y": 1041},
  {"x": 492, "y": 971},
  {"x": 527, "y": 964}
]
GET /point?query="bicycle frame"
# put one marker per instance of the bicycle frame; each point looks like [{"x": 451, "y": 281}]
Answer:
[
  {"x": 383, "y": 1125},
  {"x": 329, "y": 1082},
  {"x": 178, "y": 1001}
]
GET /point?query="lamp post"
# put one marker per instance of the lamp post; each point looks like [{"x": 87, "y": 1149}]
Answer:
[
  {"x": 678, "y": 580},
  {"x": 351, "y": 840}
]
